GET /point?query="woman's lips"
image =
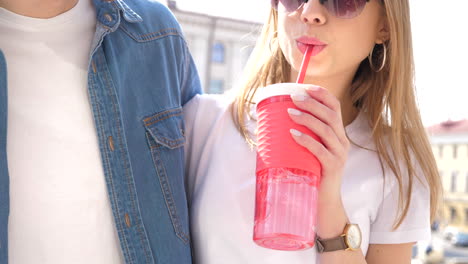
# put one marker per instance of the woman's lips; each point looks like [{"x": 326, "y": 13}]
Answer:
[
  {"x": 317, "y": 45},
  {"x": 316, "y": 48}
]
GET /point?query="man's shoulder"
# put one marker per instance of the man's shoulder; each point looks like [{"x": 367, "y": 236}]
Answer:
[{"x": 156, "y": 17}]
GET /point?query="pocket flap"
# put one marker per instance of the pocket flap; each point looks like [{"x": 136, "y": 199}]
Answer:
[{"x": 166, "y": 128}]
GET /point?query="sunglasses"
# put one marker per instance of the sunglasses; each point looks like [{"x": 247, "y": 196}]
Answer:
[{"x": 338, "y": 8}]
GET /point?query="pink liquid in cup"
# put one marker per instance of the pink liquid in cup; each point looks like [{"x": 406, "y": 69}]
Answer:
[{"x": 288, "y": 177}]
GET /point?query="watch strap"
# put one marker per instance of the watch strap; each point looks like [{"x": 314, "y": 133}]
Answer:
[{"x": 332, "y": 244}]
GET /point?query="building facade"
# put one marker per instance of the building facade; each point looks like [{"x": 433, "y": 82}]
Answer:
[
  {"x": 450, "y": 147},
  {"x": 220, "y": 46}
]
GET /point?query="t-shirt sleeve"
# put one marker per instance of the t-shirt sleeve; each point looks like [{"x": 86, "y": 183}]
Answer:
[
  {"x": 201, "y": 114},
  {"x": 415, "y": 226},
  {"x": 190, "y": 116}
]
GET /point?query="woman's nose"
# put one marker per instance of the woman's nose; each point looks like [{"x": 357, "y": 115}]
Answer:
[{"x": 313, "y": 12}]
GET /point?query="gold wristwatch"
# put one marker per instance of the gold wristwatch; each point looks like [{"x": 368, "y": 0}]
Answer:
[{"x": 349, "y": 240}]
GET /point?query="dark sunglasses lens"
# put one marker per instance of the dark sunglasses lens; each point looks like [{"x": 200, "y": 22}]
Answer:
[
  {"x": 338, "y": 8},
  {"x": 344, "y": 8},
  {"x": 289, "y": 5}
]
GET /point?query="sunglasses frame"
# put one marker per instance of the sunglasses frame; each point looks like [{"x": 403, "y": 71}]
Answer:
[{"x": 275, "y": 4}]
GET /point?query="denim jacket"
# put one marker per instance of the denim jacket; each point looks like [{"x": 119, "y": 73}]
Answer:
[{"x": 140, "y": 74}]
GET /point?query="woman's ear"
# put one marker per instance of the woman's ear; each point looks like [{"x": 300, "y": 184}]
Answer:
[{"x": 383, "y": 33}]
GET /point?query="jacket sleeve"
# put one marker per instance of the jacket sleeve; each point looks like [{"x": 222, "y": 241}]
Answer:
[{"x": 190, "y": 80}]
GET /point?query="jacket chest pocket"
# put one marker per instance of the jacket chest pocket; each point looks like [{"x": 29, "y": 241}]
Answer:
[{"x": 165, "y": 136}]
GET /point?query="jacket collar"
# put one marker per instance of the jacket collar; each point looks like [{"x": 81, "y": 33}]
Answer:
[{"x": 108, "y": 12}]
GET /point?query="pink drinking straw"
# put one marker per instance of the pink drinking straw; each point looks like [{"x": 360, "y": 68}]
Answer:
[{"x": 305, "y": 63}]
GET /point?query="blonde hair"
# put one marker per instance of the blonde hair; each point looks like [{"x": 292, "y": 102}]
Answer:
[{"x": 387, "y": 96}]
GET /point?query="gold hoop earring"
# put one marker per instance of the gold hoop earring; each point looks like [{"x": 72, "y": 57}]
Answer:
[{"x": 370, "y": 57}]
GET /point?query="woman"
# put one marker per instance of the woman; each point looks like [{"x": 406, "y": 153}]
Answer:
[{"x": 378, "y": 171}]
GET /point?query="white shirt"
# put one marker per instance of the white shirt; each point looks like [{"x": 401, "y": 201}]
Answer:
[
  {"x": 60, "y": 211},
  {"x": 221, "y": 181}
]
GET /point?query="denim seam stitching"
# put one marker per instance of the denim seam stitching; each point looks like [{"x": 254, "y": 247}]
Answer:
[
  {"x": 106, "y": 156},
  {"x": 127, "y": 175},
  {"x": 169, "y": 30},
  {"x": 161, "y": 170},
  {"x": 186, "y": 66},
  {"x": 163, "y": 118},
  {"x": 178, "y": 110},
  {"x": 142, "y": 38},
  {"x": 171, "y": 143}
]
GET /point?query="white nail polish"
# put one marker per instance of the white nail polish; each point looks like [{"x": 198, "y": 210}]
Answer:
[
  {"x": 313, "y": 88},
  {"x": 298, "y": 97},
  {"x": 296, "y": 132},
  {"x": 295, "y": 112}
]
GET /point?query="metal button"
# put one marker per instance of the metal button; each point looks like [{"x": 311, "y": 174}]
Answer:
[
  {"x": 110, "y": 141},
  {"x": 108, "y": 17},
  {"x": 127, "y": 220}
]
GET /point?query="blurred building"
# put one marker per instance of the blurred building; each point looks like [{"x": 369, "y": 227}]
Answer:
[
  {"x": 450, "y": 146},
  {"x": 220, "y": 46}
]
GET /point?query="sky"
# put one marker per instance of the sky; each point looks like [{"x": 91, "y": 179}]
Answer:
[{"x": 440, "y": 36}]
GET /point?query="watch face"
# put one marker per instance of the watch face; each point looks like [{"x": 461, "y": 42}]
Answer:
[{"x": 353, "y": 237}]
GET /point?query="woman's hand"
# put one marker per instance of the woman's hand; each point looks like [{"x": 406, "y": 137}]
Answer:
[{"x": 321, "y": 113}]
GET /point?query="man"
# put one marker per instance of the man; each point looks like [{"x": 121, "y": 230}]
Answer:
[{"x": 91, "y": 133}]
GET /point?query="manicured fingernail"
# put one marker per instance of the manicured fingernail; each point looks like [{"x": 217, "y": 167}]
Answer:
[
  {"x": 313, "y": 88},
  {"x": 295, "y": 112},
  {"x": 295, "y": 132},
  {"x": 298, "y": 97}
]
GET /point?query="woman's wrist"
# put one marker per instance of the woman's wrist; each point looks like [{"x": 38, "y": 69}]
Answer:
[{"x": 331, "y": 218}]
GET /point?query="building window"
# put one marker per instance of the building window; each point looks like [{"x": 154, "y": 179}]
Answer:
[
  {"x": 441, "y": 150},
  {"x": 455, "y": 148},
  {"x": 453, "y": 214},
  {"x": 453, "y": 187},
  {"x": 218, "y": 53},
  {"x": 216, "y": 87}
]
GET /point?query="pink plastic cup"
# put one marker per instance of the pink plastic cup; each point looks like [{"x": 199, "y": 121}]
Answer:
[{"x": 288, "y": 177}]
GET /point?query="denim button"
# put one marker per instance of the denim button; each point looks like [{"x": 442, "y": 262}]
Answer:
[
  {"x": 127, "y": 220},
  {"x": 108, "y": 17},
  {"x": 110, "y": 140}
]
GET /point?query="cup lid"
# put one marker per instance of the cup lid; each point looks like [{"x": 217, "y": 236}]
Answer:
[{"x": 278, "y": 89}]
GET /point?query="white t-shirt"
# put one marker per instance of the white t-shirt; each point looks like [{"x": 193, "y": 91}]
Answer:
[
  {"x": 221, "y": 186},
  {"x": 60, "y": 211}
]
